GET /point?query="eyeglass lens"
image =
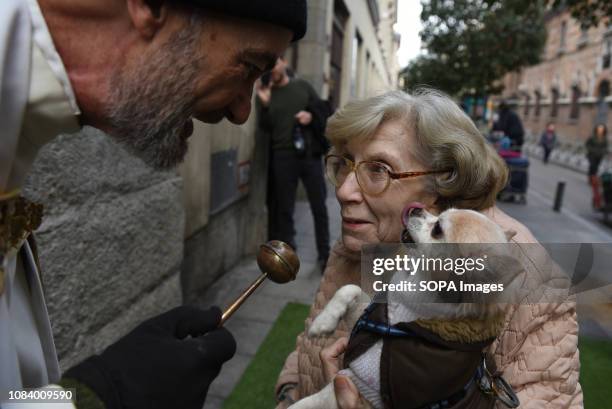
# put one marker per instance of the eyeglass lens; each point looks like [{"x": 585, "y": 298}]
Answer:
[{"x": 371, "y": 176}]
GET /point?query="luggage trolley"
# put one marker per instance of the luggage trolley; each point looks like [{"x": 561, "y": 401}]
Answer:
[
  {"x": 606, "y": 186},
  {"x": 516, "y": 189}
]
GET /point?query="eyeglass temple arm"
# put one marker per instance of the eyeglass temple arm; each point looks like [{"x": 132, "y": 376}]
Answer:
[{"x": 412, "y": 174}]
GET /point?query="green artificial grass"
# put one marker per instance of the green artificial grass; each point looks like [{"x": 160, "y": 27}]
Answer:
[
  {"x": 255, "y": 390},
  {"x": 256, "y": 387},
  {"x": 596, "y": 372}
]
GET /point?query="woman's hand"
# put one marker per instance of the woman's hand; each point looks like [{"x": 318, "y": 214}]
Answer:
[
  {"x": 263, "y": 92},
  {"x": 330, "y": 358},
  {"x": 347, "y": 395},
  {"x": 304, "y": 117}
]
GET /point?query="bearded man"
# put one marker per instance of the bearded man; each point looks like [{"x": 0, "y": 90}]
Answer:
[{"x": 139, "y": 70}]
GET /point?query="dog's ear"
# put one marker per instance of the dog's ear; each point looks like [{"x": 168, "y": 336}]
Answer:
[{"x": 510, "y": 234}]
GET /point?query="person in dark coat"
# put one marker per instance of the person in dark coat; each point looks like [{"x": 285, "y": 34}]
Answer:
[
  {"x": 548, "y": 140},
  {"x": 510, "y": 124},
  {"x": 295, "y": 117},
  {"x": 597, "y": 148}
]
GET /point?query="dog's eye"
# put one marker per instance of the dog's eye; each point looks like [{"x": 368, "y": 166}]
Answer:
[{"x": 436, "y": 232}]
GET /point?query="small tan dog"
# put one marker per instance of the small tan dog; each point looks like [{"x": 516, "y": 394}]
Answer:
[{"x": 438, "y": 361}]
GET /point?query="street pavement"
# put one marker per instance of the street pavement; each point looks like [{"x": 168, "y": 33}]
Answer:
[
  {"x": 543, "y": 181},
  {"x": 575, "y": 223}
]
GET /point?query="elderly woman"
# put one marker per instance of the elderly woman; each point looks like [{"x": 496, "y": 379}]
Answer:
[{"x": 392, "y": 149}]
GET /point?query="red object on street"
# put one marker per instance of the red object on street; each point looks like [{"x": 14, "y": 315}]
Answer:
[
  {"x": 595, "y": 185},
  {"x": 507, "y": 154}
]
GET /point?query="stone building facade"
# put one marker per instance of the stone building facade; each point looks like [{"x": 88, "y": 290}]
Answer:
[
  {"x": 120, "y": 242},
  {"x": 350, "y": 49},
  {"x": 571, "y": 85}
]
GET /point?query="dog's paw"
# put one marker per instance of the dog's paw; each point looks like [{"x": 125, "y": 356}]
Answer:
[
  {"x": 324, "y": 324},
  {"x": 348, "y": 294}
]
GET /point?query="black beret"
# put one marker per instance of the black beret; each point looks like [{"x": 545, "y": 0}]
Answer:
[{"x": 286, "y": 13}]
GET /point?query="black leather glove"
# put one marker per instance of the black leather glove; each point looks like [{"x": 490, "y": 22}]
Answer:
[{"x": 167, "y": 362}]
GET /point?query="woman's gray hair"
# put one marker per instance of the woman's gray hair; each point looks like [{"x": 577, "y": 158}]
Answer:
[{"x": 446, "y": 139}]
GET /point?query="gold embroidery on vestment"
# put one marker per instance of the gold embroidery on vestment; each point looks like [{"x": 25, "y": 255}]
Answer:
[{"x": 18, "y": 218}]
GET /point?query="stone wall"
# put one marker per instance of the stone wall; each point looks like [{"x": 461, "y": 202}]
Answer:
[{"x": 111, "y": 242}]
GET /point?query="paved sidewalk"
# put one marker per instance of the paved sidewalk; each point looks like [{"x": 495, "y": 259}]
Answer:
[
  {"x": 566, "y": 226},
  {"x": 543, "y": 179},
  {"x": 252, "y": 322}
]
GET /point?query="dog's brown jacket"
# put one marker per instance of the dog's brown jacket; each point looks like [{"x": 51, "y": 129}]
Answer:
[
  {"x": 451, "y": 365},
  {"x": 537, "y": 352}
]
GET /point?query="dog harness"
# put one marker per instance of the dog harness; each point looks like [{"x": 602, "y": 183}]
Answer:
[{"x": 409, "y": 376}]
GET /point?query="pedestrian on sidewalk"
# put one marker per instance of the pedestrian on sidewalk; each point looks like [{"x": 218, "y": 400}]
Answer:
[
  {"x": 548, "y": 139},
  {"x": 597, "y": 148},
  {"x": 295, "y": 117},
  {"x": 140, "y": 71},
  {"x": 397, "y": 148},
  {"x": 510, "y": 124}
]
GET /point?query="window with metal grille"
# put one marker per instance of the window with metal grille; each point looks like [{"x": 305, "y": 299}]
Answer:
[
  {"x": 575, "y": 106},
  {"x": 554, "y": 105}
]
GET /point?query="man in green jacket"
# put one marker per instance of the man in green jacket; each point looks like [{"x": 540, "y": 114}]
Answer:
[{"x": 294, "y": 117}]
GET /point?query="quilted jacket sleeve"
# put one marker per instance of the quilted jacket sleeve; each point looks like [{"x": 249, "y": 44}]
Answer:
[{"x": 538, "y": 355}]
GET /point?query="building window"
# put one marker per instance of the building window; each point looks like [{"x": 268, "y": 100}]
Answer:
[
  {"x": 527, "y": 100},
  {"x": 562, "y": 36},
  {"x": 341, "y": 15},
  {"x": 603, "y": 90},
  {"x": 605, "y": 62},
  {"x": 584, "y": 36},
  {"x": 554, "y": 105},
  {"x": 374, "y": 12},
  {"x": 294, "y": 56},
  {"x": 366, "y": 81},
  {"x": 575, "y": 107},
  {"x": 356, "y": 65},
  {"x": 538, "y": 100}
]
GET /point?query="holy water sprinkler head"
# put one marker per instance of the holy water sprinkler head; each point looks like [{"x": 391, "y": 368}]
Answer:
[{"x": 279, "y": 261}]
